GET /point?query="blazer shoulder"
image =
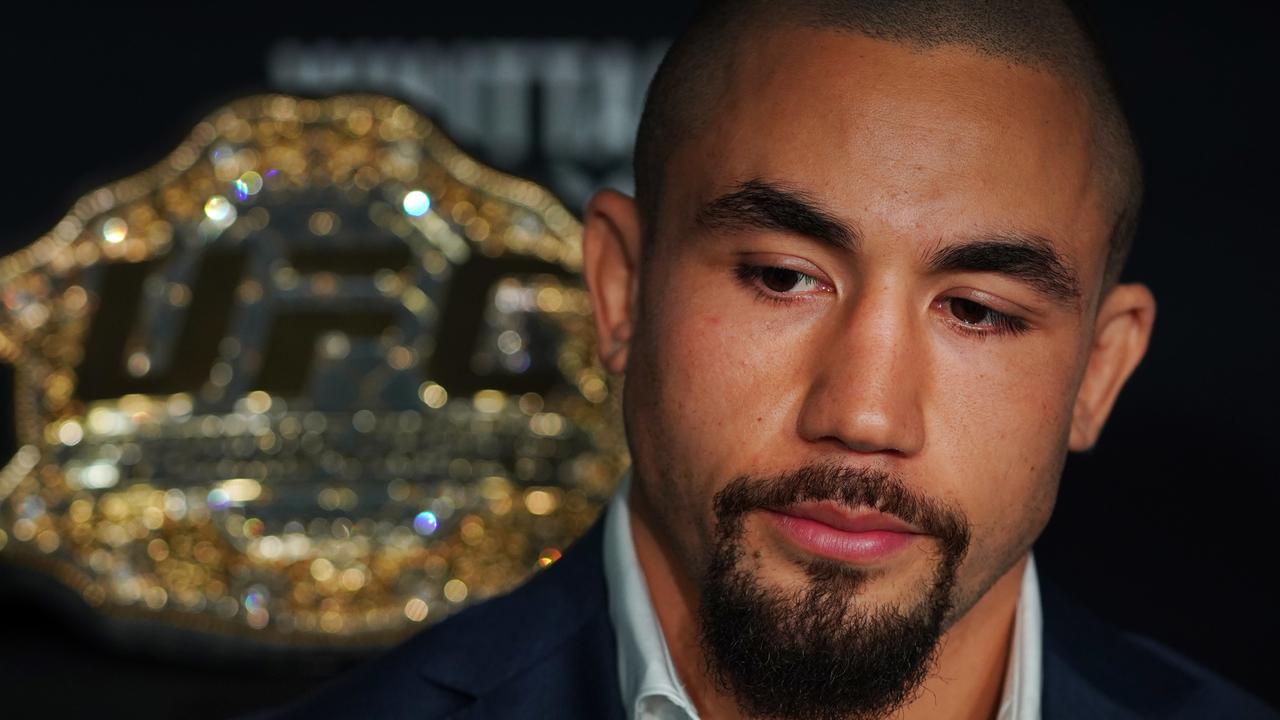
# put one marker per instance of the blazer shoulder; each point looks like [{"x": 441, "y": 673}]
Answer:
[
  {"x": 555, "y": 626},
  {"x": 1201, "y": 691},
  {"x": 1093, "y": 669}
]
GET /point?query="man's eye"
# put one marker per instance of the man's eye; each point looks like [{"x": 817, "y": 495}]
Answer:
[
  {"x": 783, "y": 281},
  {"x": 976, "y": 316},
  {"x": 970, "y": 312}
]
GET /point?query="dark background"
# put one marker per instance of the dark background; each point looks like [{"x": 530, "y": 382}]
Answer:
[{"x": 1166, "y": 528}]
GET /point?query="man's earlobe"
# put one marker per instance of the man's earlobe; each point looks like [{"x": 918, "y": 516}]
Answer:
[
  {"x": 611, "y": 248},
  {"x": 1120, "y": 339}
]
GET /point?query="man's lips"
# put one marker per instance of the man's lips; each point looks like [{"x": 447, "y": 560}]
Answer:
[{"x": 859, "y": 536}]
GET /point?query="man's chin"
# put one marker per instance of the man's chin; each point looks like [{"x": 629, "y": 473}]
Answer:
[
  {"x": 778, "y": 633},
  {"x": 791, "y": 632}
]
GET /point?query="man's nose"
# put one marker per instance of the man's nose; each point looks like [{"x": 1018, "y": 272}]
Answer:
[{"x": 868, "y": 381}]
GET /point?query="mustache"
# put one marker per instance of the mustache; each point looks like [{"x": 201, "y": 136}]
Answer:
[{"x": 848, "y": 486}]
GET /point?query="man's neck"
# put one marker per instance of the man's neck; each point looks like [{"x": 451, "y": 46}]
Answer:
[{"x": 966, "y": 680}]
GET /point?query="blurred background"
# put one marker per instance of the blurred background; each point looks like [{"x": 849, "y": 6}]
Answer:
[{"x": 1165, "y": 528}]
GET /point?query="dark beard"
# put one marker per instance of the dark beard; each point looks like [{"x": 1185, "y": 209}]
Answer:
[{"x": 814, "y": 654}]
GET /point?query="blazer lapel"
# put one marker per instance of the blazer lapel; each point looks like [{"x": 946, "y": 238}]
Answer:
[
  {"x": 1082, "y": 673},
  {"x": 545, "y": 650},
  {"x": 1068, "y": 694}
]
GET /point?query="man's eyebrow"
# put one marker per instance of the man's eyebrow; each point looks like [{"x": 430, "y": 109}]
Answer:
[
  {"x": 762, "y": 204},
  {"x": 1027, "y": 258}
]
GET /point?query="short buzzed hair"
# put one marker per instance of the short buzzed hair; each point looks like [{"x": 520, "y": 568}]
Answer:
[{"x": 1043, "y": 34}]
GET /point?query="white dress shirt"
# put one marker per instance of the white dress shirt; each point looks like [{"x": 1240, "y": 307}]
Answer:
[{"x": 651, "y": 689}]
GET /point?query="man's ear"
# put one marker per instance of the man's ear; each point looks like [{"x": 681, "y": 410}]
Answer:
[
  {"x": 611, "y": 249},
  {"x": 1120, "y": 339}
]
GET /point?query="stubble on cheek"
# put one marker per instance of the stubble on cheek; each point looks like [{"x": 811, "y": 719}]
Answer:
[
  {"x": 1002, "y": 540},
  {"x": 689, "y": 421},
  {"x": 1013, "y": 427}
]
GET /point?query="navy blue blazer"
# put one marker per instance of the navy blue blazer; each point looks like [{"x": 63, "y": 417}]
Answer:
[{"x": 546, "y": 650}]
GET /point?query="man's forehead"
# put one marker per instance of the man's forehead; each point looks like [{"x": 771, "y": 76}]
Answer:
[
  {"x": 827, "y": 60},
  {"x": 925, "y": 141}
]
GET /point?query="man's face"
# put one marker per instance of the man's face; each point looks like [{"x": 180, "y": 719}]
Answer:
[
  {"x": 875, "y": 258},
  {"x": 859, "y": 335}
]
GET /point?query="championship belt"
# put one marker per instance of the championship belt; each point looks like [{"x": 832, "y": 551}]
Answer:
[{"x": 317, "y": 379}]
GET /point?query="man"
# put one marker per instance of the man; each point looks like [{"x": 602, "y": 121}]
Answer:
[{"x": 866, "y": 299}]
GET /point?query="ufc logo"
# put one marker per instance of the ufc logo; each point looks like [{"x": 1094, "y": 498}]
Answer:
[{"x": 336, "y": 303}]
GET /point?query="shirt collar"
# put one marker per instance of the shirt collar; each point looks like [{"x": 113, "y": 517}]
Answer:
[
  {"x": 1024, "y": 675},
  {"x": 647, "y": 677},
  {"x": 646, "y": 674}
]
